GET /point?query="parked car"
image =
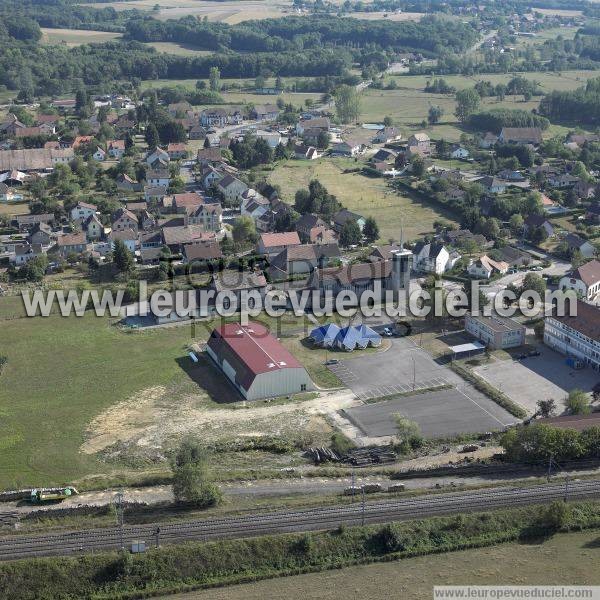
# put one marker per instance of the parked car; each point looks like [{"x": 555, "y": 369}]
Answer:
[
  {"x": 387, "y": 332},
  {"x": 534, "y": 353},
  {"x": 332, "y": 361}
]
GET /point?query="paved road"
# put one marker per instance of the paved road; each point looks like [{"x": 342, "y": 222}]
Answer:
[{"x": 74, "y": 542}]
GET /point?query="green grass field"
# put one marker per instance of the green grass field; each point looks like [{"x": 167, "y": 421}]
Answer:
[
  {"x": 565, "y": 559},
  {"x": 365, "y": 195},
  {"x": 409, "y": 104},
  {"x": 76, "y": 37},
  {"x": 64, "y": 372}
]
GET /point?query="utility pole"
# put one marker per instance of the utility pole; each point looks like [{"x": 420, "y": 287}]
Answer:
[
  {"x": 120, "y": 519},
  {"x": 352, "y": 485},
  {"x": 414, "y": 373},
  {"x": 157, "y": 533},
  {"x": 362, "y": 520}
]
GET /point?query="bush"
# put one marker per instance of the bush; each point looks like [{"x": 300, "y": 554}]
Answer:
[
  {"x": 556, "y": 516},
  {"x": 191, "y": 477},
  {"x": 340, "y": 443}
]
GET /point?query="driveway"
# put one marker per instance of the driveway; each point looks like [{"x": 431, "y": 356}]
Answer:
[{"x": 537, "y": 378}]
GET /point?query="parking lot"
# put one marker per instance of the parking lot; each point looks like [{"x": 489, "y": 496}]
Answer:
[
  {"x": 537, "y": 378},
  {"x": 402, "y": 368},
  {"x": 439, "y": 414},
  {"x": 405, "y": 367}
]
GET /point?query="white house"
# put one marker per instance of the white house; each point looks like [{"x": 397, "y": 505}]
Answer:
[
  {"x": 99, "y": 155},
  {"x": 431, "y": 258},
  {"x": 158, "y": 155},
  {"x": 459, "y": 153},
  {"x": 493, "y": 185},
  {"x": 116, "y": 149},
  {"x": 82, "y": 210},
  {"x": 485, "y": 267},
  {"x": 24, "y": 253},
  {"x": 158, "y": 177},
  {"x": 232, "y": 188},
  {"x": 347, "y": 148},
  {"x": 585, "y": 281},
  {"x": 128, "y": 236}
]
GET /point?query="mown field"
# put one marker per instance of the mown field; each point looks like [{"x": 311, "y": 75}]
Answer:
[
  {"x": 409, "y": 104},
  {"x": 76, "y": 37},
  {"x": 64, "y": 372},
  {"x": 178, "y": 49},
  {"x": 365, "y": 195},
  {"x": 565, "y": 559},
  {"x": 229, "y": 11}
]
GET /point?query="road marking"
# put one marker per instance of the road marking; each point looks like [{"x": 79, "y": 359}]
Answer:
[{"x": 481, "y": 407}]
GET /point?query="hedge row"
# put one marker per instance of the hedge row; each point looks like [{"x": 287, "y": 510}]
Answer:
[{"x": 491, "y": 392}]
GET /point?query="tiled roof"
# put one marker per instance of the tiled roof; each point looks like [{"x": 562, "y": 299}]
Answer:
[{"x": 586, "y": 322}]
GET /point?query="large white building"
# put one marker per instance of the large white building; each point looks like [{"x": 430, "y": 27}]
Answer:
[
  {"x": 255, "y": 362},
  {"x": 577, "y": 337}
]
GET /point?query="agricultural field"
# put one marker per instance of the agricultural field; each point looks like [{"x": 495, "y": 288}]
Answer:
[
  {"x": 229, "y": 11},
  {"x": 564, "y": 559},
  {"x": 391, "y": 16},
  {"x": 177, "y": 49},
  {"x": 409, "y": 104},
  {"x": 109, "y": 392},
  {"x": 76, "y": 37},
  {"x": 365, "y": 195}
]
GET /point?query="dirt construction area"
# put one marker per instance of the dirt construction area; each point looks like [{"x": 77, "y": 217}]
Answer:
[{"x": 149, "y": 422}]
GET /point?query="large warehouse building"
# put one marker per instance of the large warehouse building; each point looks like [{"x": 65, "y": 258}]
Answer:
[{"x": 255, "y": 362}]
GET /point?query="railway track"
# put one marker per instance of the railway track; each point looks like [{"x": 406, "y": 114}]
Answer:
[{"x": 90, "y": 540}]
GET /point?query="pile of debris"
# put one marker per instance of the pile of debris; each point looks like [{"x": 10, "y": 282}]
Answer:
[
  {"x": 320, "y": 455},
  {"x": 362, "y": 457}
]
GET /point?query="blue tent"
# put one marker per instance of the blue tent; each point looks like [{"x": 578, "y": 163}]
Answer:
[
  {"x": 348, "y": 339},
  {"x": 360, "y": 336},
  {"x": 369, "y": 335},
  {"x": 324, "y": 335}
]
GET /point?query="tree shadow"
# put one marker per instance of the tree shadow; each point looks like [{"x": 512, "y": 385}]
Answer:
[{"x": 592, "y": 543}]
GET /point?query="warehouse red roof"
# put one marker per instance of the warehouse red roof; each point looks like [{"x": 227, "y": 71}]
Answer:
[{"x": 251, "y": 350}]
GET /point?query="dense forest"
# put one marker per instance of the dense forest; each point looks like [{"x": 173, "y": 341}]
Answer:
[
  {"x": 317, "y": 46},
  {"x": 431, "y": 35},
  {"x": 581, "y": 105}
]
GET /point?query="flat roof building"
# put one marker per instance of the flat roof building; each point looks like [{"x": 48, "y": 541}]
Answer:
[
  {"x": 496, "y": 332},
  {"x": 255, "y": 362}
]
